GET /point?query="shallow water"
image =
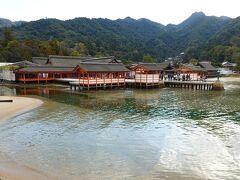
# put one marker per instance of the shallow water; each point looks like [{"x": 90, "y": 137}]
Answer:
[{"x": 147, "y": 134}]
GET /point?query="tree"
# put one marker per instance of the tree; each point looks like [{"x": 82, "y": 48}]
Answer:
[
  {"x": 81, "y": 49},
  {"x": 75, "y": 53},
  {"x": 237, "y": 67},
  {"x": 193, "y": 61},
  {"x": 12, "y": 53},
  {"x": 7, "y": 36},
  {"x": 148, "y": 59}
]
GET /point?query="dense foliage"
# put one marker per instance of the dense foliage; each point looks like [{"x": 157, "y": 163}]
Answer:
[{"x": 201, "y": 37}]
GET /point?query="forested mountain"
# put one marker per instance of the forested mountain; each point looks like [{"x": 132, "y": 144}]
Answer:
[
  {"x": 8, "y": 23},
  {"x": 200, "y": 36}
]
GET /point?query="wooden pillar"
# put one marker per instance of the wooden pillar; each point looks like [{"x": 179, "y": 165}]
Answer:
[
  {"x": 102, "y": 76},
  {"x": 78, "y": 76},
  {"x": 141, "y": 78},
  {"x": 83, "y": 79},
  {"x": 46, "y": 77},
  {"x": 118, "y": 78},
  {"x": 146, "y": 79},
  {"x": 125, "y": 75},
  {"x": 111, "y": 74},
  {"x": 96, "y": 79},
  {"x": 38, "y": 77},
  {"x": 88, "y": 80},
  {"x": 24, "y": 78}
]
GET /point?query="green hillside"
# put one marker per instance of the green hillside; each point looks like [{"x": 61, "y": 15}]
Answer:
[{"x": 200, "y": 36}]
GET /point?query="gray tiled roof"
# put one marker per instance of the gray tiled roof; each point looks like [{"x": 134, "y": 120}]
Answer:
[
  {"x": 22, "y": 64},
  {"x": 72, "y": 61},
  {"x": 40, "y": 60},
  {"x": 103, "y": 67},
  {"x": 207, "y": 66},
  {"x": 194, "y": 68},
  {"x": 46, "y": 69},
  {"x": 155, "y": 66},
  {"x": 65, "y": 61},
  {"x": 110, "y": 59}
]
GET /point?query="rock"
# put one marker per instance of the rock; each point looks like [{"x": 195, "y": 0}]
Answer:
[{"x": 218, "y": 85}]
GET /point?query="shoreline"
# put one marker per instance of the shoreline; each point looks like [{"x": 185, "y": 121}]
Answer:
[
  {"x": 20, "y": 105},
  {"x": 10, "y": 169}
]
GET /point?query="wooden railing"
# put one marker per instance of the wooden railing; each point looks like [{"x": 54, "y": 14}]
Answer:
[
  {"x": 98, "y": 81},
  {"x": 35, "y": 79}
]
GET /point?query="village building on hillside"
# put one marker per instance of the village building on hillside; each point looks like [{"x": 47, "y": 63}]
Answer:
[
  {"x": 228, "y": 65},
  {"x": 209, "y": 68}
]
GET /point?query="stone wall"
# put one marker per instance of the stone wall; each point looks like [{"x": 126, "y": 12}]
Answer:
[{"x": 7, "y": 75}]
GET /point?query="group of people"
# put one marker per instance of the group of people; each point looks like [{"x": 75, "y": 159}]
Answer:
[{"x": 180, "y": 77}]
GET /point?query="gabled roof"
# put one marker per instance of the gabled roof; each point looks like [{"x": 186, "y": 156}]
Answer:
[
  {"x": 40, "y": 60},
  {"x": 103, "y": 67},
  {"x": 110, "y": 59},
  {"x": 207, "y": 66},
  {"x": 228, "y": 64},
  {"x": 46, "y": 69},
  {"x": 72, "y": 61},
  {"x": 192, "y": 67},
  {"x": 65, "y": 61},
  {"x": 155, "y": 66},
  {"x": 22, "y": 64}
]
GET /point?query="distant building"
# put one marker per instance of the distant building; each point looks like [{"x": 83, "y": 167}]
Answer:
[
  {"x": 209, "y": 68},
  {"x": 72, "y": 61},
  {"x": 195, "y": 72},
  {"x": 228, "y": 65},
  {"x": 5, "y": 64},
  {"x": 150, "y": 74},
  {"x": 85, "y": 71}
]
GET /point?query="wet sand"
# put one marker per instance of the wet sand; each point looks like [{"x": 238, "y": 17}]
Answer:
[
  {"x": 19, "y": 105},
  {"x": 9, "y": 169}
]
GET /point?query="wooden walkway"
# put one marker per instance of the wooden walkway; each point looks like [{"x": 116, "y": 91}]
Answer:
[
  {"x": 200, "y": 85},
  {"x": 75, "y": 84}
]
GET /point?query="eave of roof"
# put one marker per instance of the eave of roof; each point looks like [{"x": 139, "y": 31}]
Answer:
[
  {"x": 45, "y": 69},
  {"x": 103, "y": 67},
  {"x": 207, "y": 66},
  {"x": 192, "y": 67}
]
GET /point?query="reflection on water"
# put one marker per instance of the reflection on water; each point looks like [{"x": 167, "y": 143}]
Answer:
[{"x": 149, "y": 134}]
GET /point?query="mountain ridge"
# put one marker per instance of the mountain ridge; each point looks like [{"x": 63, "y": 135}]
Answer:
[
  {"x": 131, "y": 39},
  {"x": 8, "y": 23}
]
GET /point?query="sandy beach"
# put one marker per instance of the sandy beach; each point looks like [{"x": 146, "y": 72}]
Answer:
[
  {"x": 9, "y": 169},
  {"x": 19, "y": 105}
]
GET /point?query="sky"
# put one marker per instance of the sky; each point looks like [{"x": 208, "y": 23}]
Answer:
[{"x": 161, "y": 11}]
